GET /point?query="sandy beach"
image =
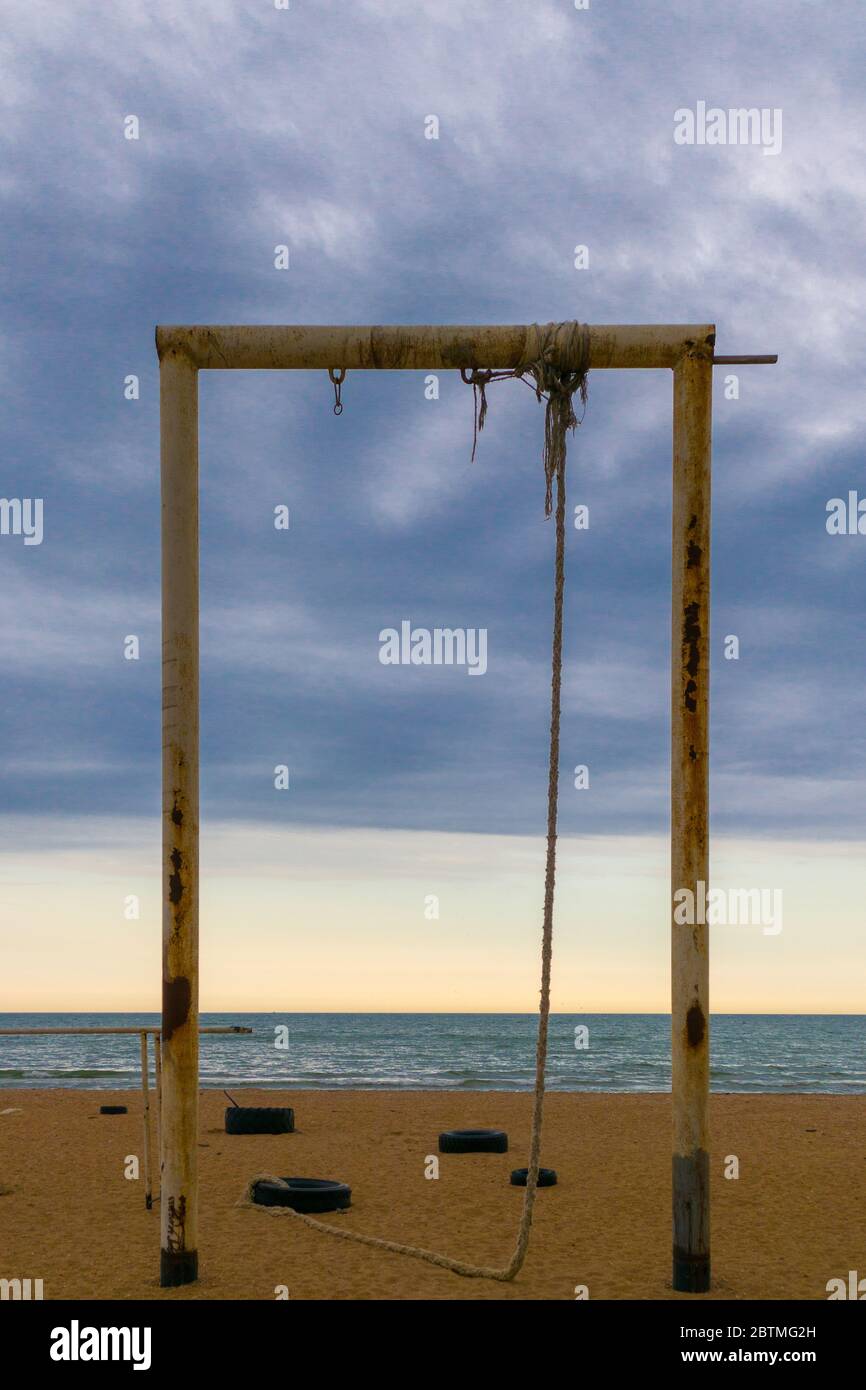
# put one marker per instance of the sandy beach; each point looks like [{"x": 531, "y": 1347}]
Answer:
[{"x": 794, "y": 1218}]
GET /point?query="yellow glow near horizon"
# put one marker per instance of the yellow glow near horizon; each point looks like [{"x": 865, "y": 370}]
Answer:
[{"x": 339, "y": 921}]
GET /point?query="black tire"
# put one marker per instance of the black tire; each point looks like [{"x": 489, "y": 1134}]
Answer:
[
  {"x": 473, "y": 1141},
  {"x": 250, "y": 1119},
  {"x": 112, "y": 1110},
  {"x": 304, "y": 1194},
  {"x": 546, "y": 1177}
]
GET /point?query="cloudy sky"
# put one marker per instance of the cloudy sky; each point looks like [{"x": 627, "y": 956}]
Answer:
[{"x": 307, "y": 127}]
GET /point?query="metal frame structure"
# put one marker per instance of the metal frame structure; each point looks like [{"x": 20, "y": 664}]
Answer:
[
  {"x": 685, "y": 349},
  {"x": 145, "y": 1085}
]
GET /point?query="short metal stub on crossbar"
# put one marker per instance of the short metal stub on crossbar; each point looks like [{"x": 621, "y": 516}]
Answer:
[{"x": 338, "y": 376}]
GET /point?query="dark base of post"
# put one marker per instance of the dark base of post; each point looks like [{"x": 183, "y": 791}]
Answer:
[
  {"x": 691, "y": 1222},
  {"x": 691, "y": 1272},
  {"x": 148, "y": 1202},
  {"x": 177, "y": 1268}
]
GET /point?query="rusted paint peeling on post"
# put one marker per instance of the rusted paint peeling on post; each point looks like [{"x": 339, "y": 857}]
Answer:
[
  {"x": 692, "y": 638},
  {"x": 176, "y": 1000},
  {"x": 176, "y": 1224},
  {"x": 691, "y": 651},
  {"x": 175, "y": 881},
  {"x": 178, "y": 1265},
  {"x": 695, "y": 1025}
]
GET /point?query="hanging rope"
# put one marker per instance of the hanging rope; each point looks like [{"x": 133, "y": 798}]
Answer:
[{"x": 557, "y": 386}]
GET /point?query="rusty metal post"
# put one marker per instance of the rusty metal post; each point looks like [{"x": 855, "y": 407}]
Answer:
[
  {"x": 145, "y": 1094},
  {"x": 180, "y": 725},
  {"x": 690, "y": 611}
]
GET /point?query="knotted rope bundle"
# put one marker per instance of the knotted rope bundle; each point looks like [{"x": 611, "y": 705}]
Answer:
[{"x": 548, "y": 346}]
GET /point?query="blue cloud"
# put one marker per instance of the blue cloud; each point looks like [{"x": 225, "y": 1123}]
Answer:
[{"x": 306, "y": 127}]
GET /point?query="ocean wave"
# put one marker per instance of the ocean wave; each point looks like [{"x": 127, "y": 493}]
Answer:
[{"x": 84, "y": 1072}]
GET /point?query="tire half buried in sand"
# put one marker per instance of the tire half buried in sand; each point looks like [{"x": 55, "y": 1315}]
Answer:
[
  {"x": 303, "y": 1194},
  {"x": 250, "y": 1119},
  {"x": 473, "y": 1141}
]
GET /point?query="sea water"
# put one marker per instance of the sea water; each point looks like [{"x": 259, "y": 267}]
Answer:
[{"x": 625, "y": 1052}]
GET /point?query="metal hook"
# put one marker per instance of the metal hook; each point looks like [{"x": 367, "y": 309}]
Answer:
[{"x": 338, "y": 376}]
